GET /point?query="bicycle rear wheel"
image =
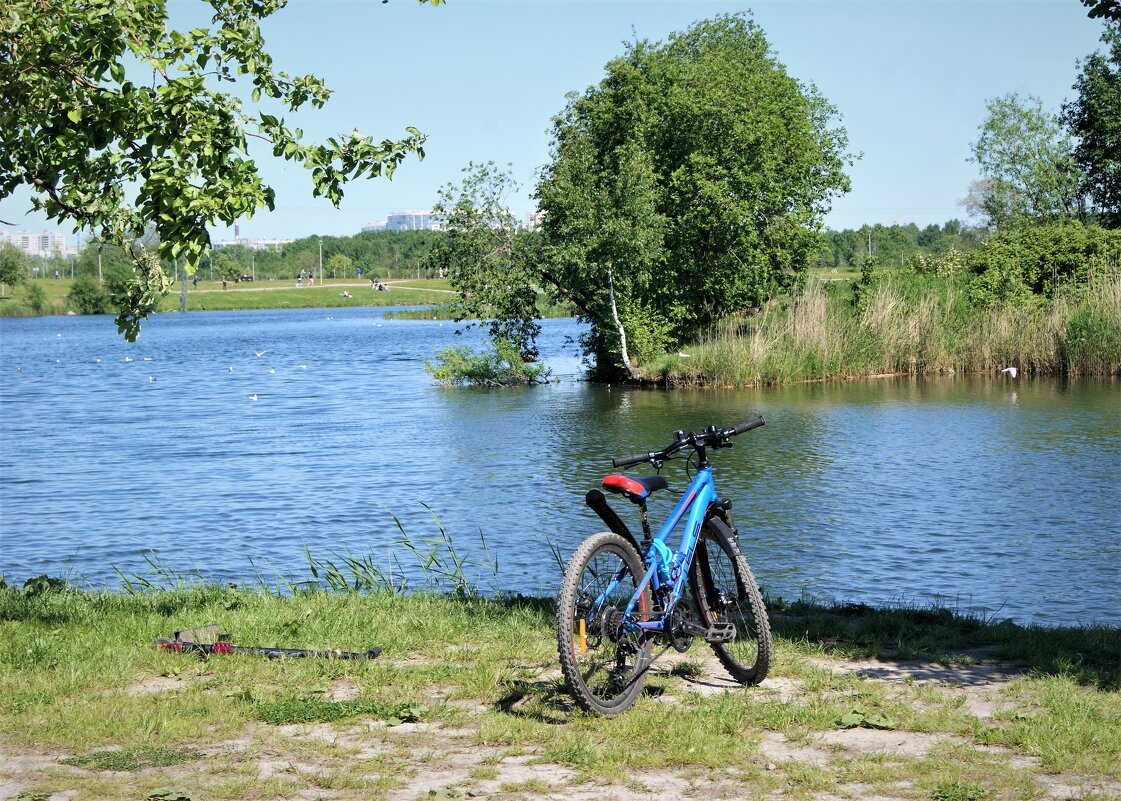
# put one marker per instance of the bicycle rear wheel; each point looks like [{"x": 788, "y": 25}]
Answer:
[
  {"x": 726, "y": 592},
  {"x": 603, "y": 661}
]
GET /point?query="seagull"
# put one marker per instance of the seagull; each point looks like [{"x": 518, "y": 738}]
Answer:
[
  {"x": 261, "y": 353},
  {"x": 253, "y": 396},
  {"x": 272, "y": 370},
  {"x": 147, "y": 358},
  {"x": 128, "y": 359},
  {"x": 303, "y": 366},
  {"x": 229, "y": 369},
  {"x": 98, "y": 360},
  {"x": 152, "y": 379},
  {"x": 1011, "y": 371}
]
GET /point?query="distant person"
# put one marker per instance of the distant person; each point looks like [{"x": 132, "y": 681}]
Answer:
[
  {"x": 223, "y": 282},
  {"x": 359, "y": 273},
  {"x": 195, "y": 282},
  {"x": 300, "y": 279},
  {"x": 310, "y": 278},
  {"x": 56, "y": 275}
]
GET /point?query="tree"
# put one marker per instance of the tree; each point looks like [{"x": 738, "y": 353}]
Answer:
[
  {"x": 13, "y": 266},
  {"x": 116, "y": 121},
  {"x": 688, "y": 184},
  {"x": 108, "y": 263},
  {"x": 1107, "y": 9},
  {"x": 1095, "y": 120},
  {"x": 490, "y": 263},
  {"x": 227, "y": 264},
  {"x": 1026, "y": 158},
  {"x": 340, "y": 263}
]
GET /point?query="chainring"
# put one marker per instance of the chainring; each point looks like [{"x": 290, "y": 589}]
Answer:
[{"x": 680, "y": 638}]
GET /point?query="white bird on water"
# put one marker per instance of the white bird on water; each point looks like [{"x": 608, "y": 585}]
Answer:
[
  {"x": 272, "y": 370},
  {"x": 303, "y": 366},
  {"x": 128, "y": 359},
  {"x": 152, "y": 379},
  {"x": 261, "y": 353},
  {"x": 1012, "y": 371},
  {"x": 253, "y": 396}
]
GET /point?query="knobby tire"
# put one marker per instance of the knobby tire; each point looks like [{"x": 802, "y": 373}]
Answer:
[
  {"x": 725, "y": 592},
  {"x": 604, "y": 667}
]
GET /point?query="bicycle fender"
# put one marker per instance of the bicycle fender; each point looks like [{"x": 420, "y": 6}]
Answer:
[{"x": 597, "y": 502}]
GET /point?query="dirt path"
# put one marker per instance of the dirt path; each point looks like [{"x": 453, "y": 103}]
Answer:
[{"x": 285, "y": 285}]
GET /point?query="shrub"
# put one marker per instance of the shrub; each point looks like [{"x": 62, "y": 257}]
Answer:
[
  {"x": 499, "y": 367},
  {"x": 36, "y": 298},
  {"x": 1039, "y": 260},
  {"x": 86, "y": 297}
]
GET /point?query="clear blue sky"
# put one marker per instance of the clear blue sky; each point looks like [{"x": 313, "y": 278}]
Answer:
[{"x": 483, "y": 79}]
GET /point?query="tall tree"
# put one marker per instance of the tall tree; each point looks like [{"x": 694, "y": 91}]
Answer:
[
  {"x": 486, "y": 258},
  {"x": 117, "y": 121},
  {"x": 13, "y": 266},
  {"x": 1095, "y": 119},
  {"x": 1026, "y": 157},
  {"x": 1108, "y": 9},
  {"x": 688, "y": 184}
]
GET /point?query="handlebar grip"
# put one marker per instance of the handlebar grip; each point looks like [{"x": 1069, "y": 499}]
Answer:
[
  {"x": 624, "y": 461},
  {"x": 742, "y": 427}
]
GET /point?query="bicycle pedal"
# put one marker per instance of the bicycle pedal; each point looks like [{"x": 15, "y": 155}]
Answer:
[{"x": 723, "y": 632}]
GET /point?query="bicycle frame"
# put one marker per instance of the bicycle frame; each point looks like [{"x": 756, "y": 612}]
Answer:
[{"x": 696, "y": 501}]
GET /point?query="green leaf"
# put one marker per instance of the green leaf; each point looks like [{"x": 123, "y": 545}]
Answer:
[{"x": 75, "y": 114}]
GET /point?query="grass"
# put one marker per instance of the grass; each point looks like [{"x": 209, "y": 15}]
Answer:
[
  {"x": 79, "y": 683},
  {"x": 906, "y": 324},
  {"x": 210, "y": 296}
]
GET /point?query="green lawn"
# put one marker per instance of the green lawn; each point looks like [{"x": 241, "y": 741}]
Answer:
[
  {"x": 210, "y": 295},
  {"x": 465, "y": 701}
]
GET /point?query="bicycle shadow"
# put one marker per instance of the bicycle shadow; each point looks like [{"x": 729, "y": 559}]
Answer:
[{"x": 548, "y": 700}]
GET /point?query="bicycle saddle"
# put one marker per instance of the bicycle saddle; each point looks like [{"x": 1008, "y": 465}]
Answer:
[{"x": 636, "y": 489}]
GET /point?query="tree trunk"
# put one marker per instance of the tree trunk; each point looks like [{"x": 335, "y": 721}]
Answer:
[{"x": 619, "y": 326}]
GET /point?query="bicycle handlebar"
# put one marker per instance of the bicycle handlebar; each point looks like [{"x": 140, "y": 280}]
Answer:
[{"x": 711, "y": 437}]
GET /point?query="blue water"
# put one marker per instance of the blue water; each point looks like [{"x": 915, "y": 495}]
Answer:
[{"x": 1001, "y": 496}]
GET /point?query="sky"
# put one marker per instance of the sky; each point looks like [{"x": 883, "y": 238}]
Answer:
[{"x": 484, "y": 78}]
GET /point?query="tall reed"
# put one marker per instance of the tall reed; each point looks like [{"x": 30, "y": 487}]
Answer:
[{"x": 908, "y": 324}]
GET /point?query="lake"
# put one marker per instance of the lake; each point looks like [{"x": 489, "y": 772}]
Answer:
[{"x": 996, "y": 495}]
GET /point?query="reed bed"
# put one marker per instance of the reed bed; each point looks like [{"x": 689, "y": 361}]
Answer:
[{"x": 905, "y": 324}]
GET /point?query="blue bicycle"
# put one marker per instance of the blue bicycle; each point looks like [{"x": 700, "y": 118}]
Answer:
[{"x": 621, "y": 597}]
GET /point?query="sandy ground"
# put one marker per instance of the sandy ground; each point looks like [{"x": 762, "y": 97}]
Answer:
[{"x": 436, "y": 762}]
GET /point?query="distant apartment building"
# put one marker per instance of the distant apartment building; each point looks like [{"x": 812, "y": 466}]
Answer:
[
  {"x": 408, "y": 221},
  {"x": 252, "y": 244},
  {"x": 532, "y": 220},
  {"x": 46, "y": 244}
]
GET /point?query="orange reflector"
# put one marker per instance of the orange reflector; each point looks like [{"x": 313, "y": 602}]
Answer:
[{"x": 583, "y": 637}]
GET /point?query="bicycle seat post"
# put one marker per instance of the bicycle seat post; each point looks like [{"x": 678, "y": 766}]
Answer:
[{"x": 646, "y": 535}]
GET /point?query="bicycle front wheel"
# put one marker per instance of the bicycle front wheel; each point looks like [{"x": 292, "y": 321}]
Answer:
[
  {"x": 726, "y": 593},
  {"x": 603, "y": 658}
]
